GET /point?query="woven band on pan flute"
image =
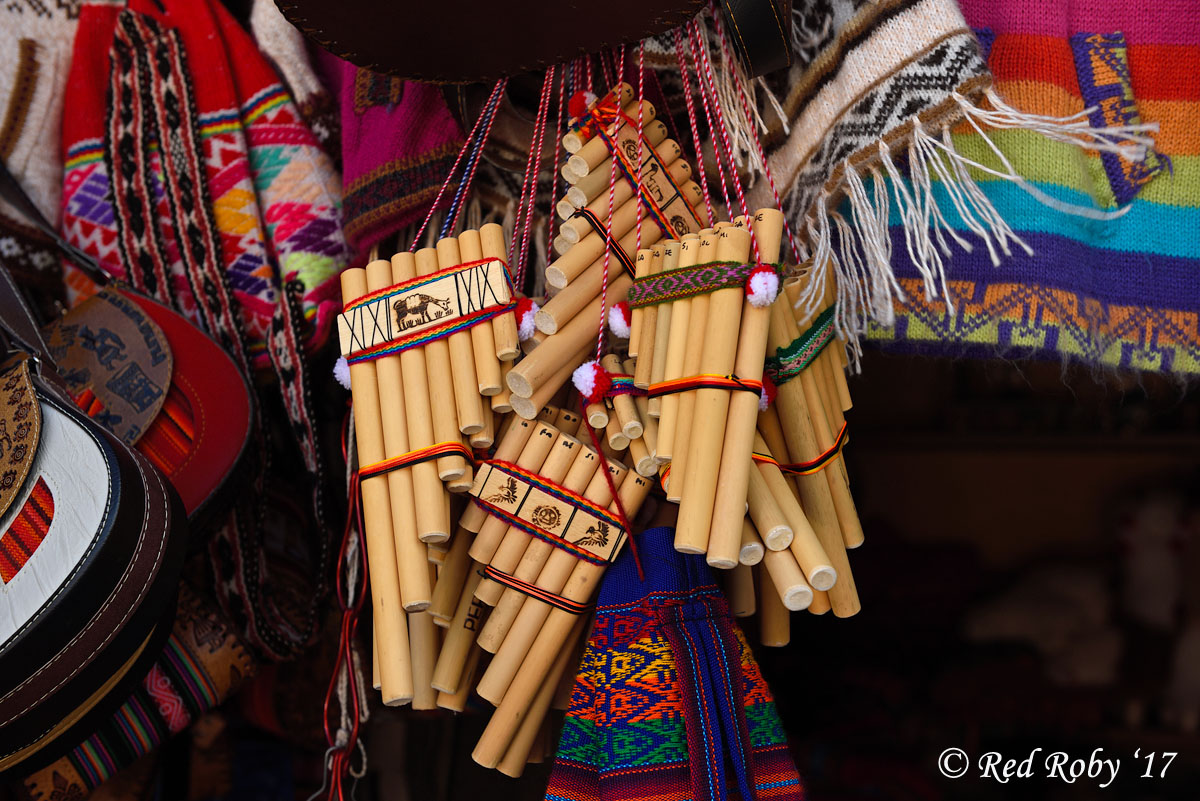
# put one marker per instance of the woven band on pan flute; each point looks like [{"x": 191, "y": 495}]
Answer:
[
  {"x": 415, "y": 457},
  {"x": 427, "y": 308},
  {"x": 811, "y": 466},
  {"x": 534, "y": 591},
  {"x": 667, "y": 205},
  {"x": 730, "y": 382},
  {"x": 548, "y": 511},
  {"x": 788, "y": 362},
  {"x": 687, "y": 282}
]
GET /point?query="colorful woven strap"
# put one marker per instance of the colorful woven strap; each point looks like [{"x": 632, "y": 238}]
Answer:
[
  {"x": 365, "y": 345},
  {"x": 598, "y": 226},
  {"x": 671, "y": 226},
  {"x": 534, "y": 591},
  {"x": 622, "y": 384},
  {"x": 788, "y": 362},
  {"x": 574, "y": 500},
  {"x": 813, "y": 466},
  {"x": 686, "y": 282},
  {"x": 704, "y": 381},
  {"x": 416, "y": 457},
  {"x": 602, "y": 113}
]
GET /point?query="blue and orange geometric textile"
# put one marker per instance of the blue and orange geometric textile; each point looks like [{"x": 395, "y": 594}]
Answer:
[{"x": 669, "y": 704}]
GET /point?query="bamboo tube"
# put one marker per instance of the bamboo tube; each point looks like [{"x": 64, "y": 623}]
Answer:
[
  {"x": 615, "y": 436},
  {"x": 376, "y": 683},
  {"x": 536, "y": 449},
  {"x": 815, "y": 496},
  {"x": 423, "y": 639},
  {"x": 500, "y": 402},
  {"x": 482, "y": 439},
  {"x": 775, "y": 625},
  {"x": 462, "y": 355},
  {"x": 411, "y": 555},
  {"x": 725, "y": 525},
  {"x": 662, "y": 328},
  {"x": 558, "y": 463},
  {"x": 693, "y": 352},
  {"x": 537, "y": 557},
  {"x": 752, "y": 549},
  {"x": 676, "y": 345},
  {"x": 576, "y": 228},
  {"x": 645, "y": 323},
  {"x": 390, "y": 625},
  {"x": 623, "y": 405},
  {"x": 586, "y": 188},
  {"x": 595, "y": 150},
  {"x": 452, "y": 576},
  {"x": 806, "y": 547},
  {"x": 534, "y": 370},
  {"x": 649, "y": 429},
  {"x": 441, "y": 387},
  {"x": 584, "y": 254},
  {"x": 469, "y": 615},
  {"x": 436, "y": 554},
  {"x": 641, "y": 268},
  {"x": 835, "y": 472},
  {"x": 771, "y": 430},
  {"x": 483, "y": 338},
  {"x": 739, "y": 589},
  {"x": 789, "y": 581},
  {"x": 765, "y": 512},
  {"x": 574, "y": 139},
  {"x": 585, "y": 287},
  {"x": 517, "y": 754},
  {"x": 457, "y": 701},
  {"x": 433, "y": 525},
  {"x": 567, "y": 422},
  {"x": 597, "y": 415},
  {"x": 532, "y": 630},
  {"x": 504, "y": 326},
  {"x": 527, "y": 407},
  {"x": 548, "y": 413},
  {"x": 639, "y": 456},
  {"x": 511, "y": 445},
  {"x": 711, "y": 412}
]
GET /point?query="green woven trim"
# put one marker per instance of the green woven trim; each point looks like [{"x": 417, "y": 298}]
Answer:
[
  {"x": 656, "y": 741},
  {"x": 788, "y": 362}
]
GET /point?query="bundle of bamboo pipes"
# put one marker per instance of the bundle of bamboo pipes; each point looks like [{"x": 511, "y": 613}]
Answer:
[
  {"x": 567, "y": 322},
  {"x": 417, "y": 394}
]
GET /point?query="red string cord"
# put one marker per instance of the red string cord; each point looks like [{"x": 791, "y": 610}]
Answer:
[
  {"x": 351, "y": 606},
  {"x": 638, "y": 205},
  {"x": 727, "y": 53},
  {"x": 701, "y": 55},
  {"x": 454, "y": 169},
  {"x": 555, "y": 178},
  {"x": 691, "y": 111},
  {"x": 518, "y": 249},
  {"x": 608, "y": 243}
]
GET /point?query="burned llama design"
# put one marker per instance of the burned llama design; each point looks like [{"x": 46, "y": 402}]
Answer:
[{"x": 418, "y": 309}]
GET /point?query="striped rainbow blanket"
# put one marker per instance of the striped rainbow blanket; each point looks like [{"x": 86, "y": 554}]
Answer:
[
  {"x": 1015, "y": 180},
  {"x": 1121, "y": 291}
]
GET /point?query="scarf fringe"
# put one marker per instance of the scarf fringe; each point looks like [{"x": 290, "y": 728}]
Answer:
[{"x": 860, "y": 264}]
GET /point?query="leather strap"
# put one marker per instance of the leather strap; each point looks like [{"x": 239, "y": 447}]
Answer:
[
  {"x": 16, "y": 318},
  {"x": 760, "y": 32}
]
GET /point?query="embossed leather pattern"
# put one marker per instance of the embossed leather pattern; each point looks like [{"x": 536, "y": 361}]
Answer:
[{"x": 20, "y": 429}]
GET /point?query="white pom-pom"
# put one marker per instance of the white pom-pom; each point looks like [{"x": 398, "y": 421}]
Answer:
[
  {"x": 584, "y": 378},
  {"x": 341, "y": 371},
  {"x": 763, "y": 287},
  {"x": 618, "y": 320},
  {"x": 526, "y": 313}
]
